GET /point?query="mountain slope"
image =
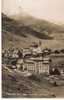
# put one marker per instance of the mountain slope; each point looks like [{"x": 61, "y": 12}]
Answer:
[
  {"x": 16, "y": 31},
  {"x": 38, "y": 24},
  {"x": 12, "y": 26}
]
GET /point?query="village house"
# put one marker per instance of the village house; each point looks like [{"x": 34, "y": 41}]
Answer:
[
  {"x": 42, "y": 67},
  {"x": 34, "y": 64},
  {"x": 46, "y": 64},
  {"x": 29, "y": 65},
  {"x": 46, "y": 51},
  {"x": 37, "y": 65},
  {"x": 26, "y": 52}
]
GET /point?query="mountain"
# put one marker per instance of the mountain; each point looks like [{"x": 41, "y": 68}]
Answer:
[
  {"x": 21, "y": 30},
  {"x": 38, "y": 24},
  {"x": 13, "y": 33}
]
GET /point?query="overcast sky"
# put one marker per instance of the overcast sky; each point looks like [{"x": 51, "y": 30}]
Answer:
[{"x": 52, "y": 10}]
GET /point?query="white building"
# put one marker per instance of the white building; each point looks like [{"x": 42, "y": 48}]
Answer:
[{"x": 37, "y": 65}]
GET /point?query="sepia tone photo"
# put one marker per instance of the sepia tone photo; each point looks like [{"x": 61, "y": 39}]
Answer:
[{"x": 32, "y": 48}]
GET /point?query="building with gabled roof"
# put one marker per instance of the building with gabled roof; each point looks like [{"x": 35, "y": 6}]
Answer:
[{"x": 37, "y": 65}]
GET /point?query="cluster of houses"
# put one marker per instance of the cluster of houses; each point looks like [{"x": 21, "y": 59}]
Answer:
[{"x": 34, "y": 59}]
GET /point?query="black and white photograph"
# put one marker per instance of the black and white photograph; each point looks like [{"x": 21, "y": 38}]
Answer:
[{"x": 32, "y": 48}]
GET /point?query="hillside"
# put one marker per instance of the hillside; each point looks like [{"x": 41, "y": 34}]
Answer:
[
  {"x": 21, "y": 31},
  {"x": 38, "y": 24}
]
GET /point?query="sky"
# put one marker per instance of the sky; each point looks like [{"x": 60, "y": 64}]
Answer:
[{"x": 52, "y": 10}]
